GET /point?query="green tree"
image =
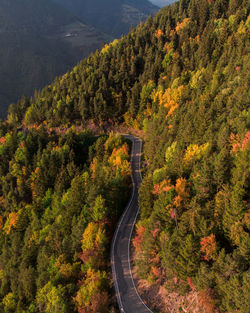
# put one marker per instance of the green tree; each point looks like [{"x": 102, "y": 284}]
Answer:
[{"x": 51, "y": 299}]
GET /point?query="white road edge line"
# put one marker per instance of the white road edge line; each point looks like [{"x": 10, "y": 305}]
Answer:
[
  {"x": 115, "y": 237},
  {"x": 129, "y": 263},
  {"x": 117, "y": 230}
]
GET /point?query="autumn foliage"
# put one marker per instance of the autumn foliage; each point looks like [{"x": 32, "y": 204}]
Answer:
[
  {"x": 181, "y": 80},
  {"x": 60, "y": 216},
  {"x": 10, "y": 222},
  {"x": 239, "y": 145},
  {"x": 137, "y": 241},
  {"x": 208, "y": 247}
]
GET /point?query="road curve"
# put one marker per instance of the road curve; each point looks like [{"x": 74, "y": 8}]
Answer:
[{"x": 129, "y": 300}]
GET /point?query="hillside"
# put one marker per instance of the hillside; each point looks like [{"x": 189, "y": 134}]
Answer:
[
  {"x": 39, "y": 40},
  {"x": 114, "y": 17},
  {"x": 162, "y": 3},
  {"x": 43, "y": 39},
  {"x": 181, "y": 79}
]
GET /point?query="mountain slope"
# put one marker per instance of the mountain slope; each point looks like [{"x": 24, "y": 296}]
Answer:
[
  {"x": 114, "y": 17},
  {"x": 162, "y": 3},
  {"x": 39, "y": 40},
  {"x": 182, "y": 79}
]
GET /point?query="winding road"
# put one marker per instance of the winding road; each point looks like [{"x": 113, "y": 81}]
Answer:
[{"x": 129, "y": 300}]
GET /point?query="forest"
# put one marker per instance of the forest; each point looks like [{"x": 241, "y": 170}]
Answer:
[
  {"x": 182, "y": 80},
  {"x": 60, "y": 198}
]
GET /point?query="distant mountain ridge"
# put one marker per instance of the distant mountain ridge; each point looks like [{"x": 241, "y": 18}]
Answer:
[
  {"x": 181, "y": 81},
  {"x": 39, "y": 40},
  {"x": 43, "y": 39},
  {"x": 162, "y": 3},
  {"x": 114, "y": 17}
]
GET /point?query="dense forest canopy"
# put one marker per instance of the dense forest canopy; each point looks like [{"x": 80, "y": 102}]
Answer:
[
  {"x": 183, "y": 79},
  {"x": 60, "y": 197}
]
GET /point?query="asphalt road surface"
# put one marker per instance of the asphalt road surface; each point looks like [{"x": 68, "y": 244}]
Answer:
[{"x": 128, "y": 298}]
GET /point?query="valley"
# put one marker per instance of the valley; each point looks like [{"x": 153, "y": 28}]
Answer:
[
  {"x": 179, "y": 82},
  {"x": 43, "y": 39}
]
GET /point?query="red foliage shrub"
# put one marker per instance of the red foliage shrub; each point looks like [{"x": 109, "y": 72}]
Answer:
[
  {"x": 208, "y": 247},
  {"x": 138, "y": 238},
  {"x": 2, "y": 140},
  {"x": 190, "y": 283},
  {"x": 237, "y": 145}
]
